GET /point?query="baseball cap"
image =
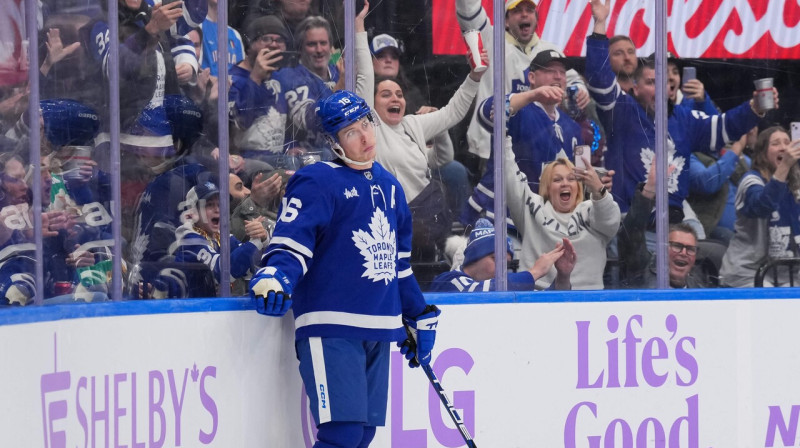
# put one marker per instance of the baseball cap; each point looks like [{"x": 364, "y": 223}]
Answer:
[
  {"x": 203, "y": 190},
  {"x": 481, "y": 242},
  {"x": 384, "y": 41},
  {"x": 544, "y": 58},
  {"x": 511, "y": 4}
]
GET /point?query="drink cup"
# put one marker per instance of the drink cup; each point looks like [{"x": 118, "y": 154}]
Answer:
[
  {"x": 475, "y": 45},
  {"x": 72, "y": 166},
  {"x": 765, "y": 99}
]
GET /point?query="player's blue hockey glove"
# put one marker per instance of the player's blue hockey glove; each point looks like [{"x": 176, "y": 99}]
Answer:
[
  {"x": 421, "y": 337},
  {"x": 271, "y": 290}
]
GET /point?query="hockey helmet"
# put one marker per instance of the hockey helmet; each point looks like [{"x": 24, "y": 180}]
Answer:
[
  {"x": 69, "y": 122},
  {"x": 340, "y": 110}
]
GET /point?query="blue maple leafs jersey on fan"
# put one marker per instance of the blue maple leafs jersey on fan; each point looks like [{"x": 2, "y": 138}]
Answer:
[
  {"x": 631, "y": 132},
  {"x": 343, "y": 239}
]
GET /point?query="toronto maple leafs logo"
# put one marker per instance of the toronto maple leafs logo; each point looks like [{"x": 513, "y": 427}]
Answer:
[
  {"x": 378, "y": 247},
  {"x": 647, "y": 155}
]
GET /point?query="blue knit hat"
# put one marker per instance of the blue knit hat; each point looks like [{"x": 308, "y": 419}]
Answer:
[{"x": 481, "y": 242}]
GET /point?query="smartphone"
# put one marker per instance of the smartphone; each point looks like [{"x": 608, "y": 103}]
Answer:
[
  {"x": 582, "y": 153},
  {"x": 689, "y": 73},
  {"x": 795, "y": 129},
  {"x": 290, "y": 58}
]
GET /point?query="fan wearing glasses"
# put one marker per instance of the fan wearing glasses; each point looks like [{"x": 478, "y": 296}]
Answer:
[{"x": 638, "y": 262}]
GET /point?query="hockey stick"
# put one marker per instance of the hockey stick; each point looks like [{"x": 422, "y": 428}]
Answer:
[{"x": 437, "y": 386}]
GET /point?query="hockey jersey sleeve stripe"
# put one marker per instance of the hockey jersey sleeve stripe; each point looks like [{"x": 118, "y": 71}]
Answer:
[
  {"x": 404, "y": 255},
  {"x": 713, "y": 142},
  {"x": 725, "y": 137},
  {"x": 299, "y": 257},
  {"x": 405, "y": 273},
  {"x": 347, "y": 319},
  {"x": 293, "y": 245},
  {"x": 482, "y": 188}
]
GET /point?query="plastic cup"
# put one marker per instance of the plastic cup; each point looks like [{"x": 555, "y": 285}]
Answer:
[
  {"x": 72, "y": 166},
  {"x": 765, "y": 98},
  {"x": 475, "y": 45}
]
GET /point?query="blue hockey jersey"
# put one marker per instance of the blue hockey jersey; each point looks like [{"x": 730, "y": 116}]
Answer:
[
  {"x": 630, "y": 132},
  {"x": 537, "y": 140},
  {"x": 303, "y": 90},
  {"x": 191, "y": 247},
  {"x": 343, "y": 239},
  {"x": 259, "y": 113},
  {"x": 457, "y": 281},
  {"x": 211, "y": 47}
]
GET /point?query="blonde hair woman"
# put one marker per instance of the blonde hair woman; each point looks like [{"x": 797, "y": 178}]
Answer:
[{"x": 560, "y": 211}]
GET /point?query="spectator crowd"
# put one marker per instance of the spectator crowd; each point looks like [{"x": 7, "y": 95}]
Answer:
[{"x": 579, "y": 154}]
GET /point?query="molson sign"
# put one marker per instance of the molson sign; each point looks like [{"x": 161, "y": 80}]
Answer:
[{"x": 749, "y": 29}]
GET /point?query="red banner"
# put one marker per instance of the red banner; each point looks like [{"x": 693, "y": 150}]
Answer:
[
  {"x": 13, "y": 61},
  {"x": 748, "y": 29}
]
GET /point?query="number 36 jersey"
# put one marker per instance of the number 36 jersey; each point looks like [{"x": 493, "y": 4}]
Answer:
[{"x": 343, "y": 239}]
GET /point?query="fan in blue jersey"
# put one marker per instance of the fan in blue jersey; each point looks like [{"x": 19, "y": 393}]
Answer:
[
  {"x": 258, "y": 108},
  {"x": 767, "y": 212},
  {"x": 312, "y": 80},
  {"x": 476, "y": 272},
  {"x": 540, "y": 131},
  {"x": 522, "y": 44},
  {"x": 628, "y": 118},
  {"x": 211, "y": 46},
  {"x": 163, "y": 201},
  {"x": 198, "y": 239},
  {"x": 339, "y": 257}
]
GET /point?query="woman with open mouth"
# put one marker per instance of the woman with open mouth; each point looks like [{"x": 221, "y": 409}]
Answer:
[
  {"x": 767, "y": 212},
  {"x": 560, "y": 211},
  {"x": 401, "y": 145}
]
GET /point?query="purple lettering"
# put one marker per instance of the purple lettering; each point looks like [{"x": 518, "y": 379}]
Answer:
[
  {"x": 659, "y": 437},
  {"x": 401, "y": 436},
  {"x": 650, "y": 376},
  {"x": 177, "y": 403},
  {"x": 613, "y": 352},
  {"x": 687, "y": 361},
  {"x": 692, "y": 425},
  {"x": 118, "y": 412},
  {"x": 209, "y": 405},
  {"x": 611, "y": 434},
  {"x": 54, "y": 410},
  {"x": 134, "y": 443},
  {"x": 463, "y": 401},
  {"x": 630, "y": 342},
  {"x": 571, "y": 426},
  {"x": 583, "y": 358},
  {"x": 788, "y": 430},
  {"x": 82, "y": 385},
  {"x": 156, "y": 407},
  {"x": 100, "y": 415}
]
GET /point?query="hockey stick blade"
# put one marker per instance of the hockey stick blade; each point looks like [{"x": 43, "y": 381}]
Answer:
[{"x": 437, "y": 386}]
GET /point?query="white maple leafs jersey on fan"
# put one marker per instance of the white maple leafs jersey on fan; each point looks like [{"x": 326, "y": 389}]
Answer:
[{"x": 343, "y": 239}]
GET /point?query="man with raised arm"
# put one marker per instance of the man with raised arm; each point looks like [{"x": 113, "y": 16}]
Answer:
[
  {"x": 628, "y": 119},
  {"x": 339, "y": 257},
  {"x": 522, "y": 45}
]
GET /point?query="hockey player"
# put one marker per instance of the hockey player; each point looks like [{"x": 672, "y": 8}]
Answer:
[
  {"x": 630, "y": 128},
  {"x": 347, "y": 217}
]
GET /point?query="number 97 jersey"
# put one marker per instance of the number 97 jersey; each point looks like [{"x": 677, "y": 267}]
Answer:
[{"x": 343, "y": 239}]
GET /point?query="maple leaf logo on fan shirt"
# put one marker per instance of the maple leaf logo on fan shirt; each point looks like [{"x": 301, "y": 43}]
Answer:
[{"x": 379, "y": 248}]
